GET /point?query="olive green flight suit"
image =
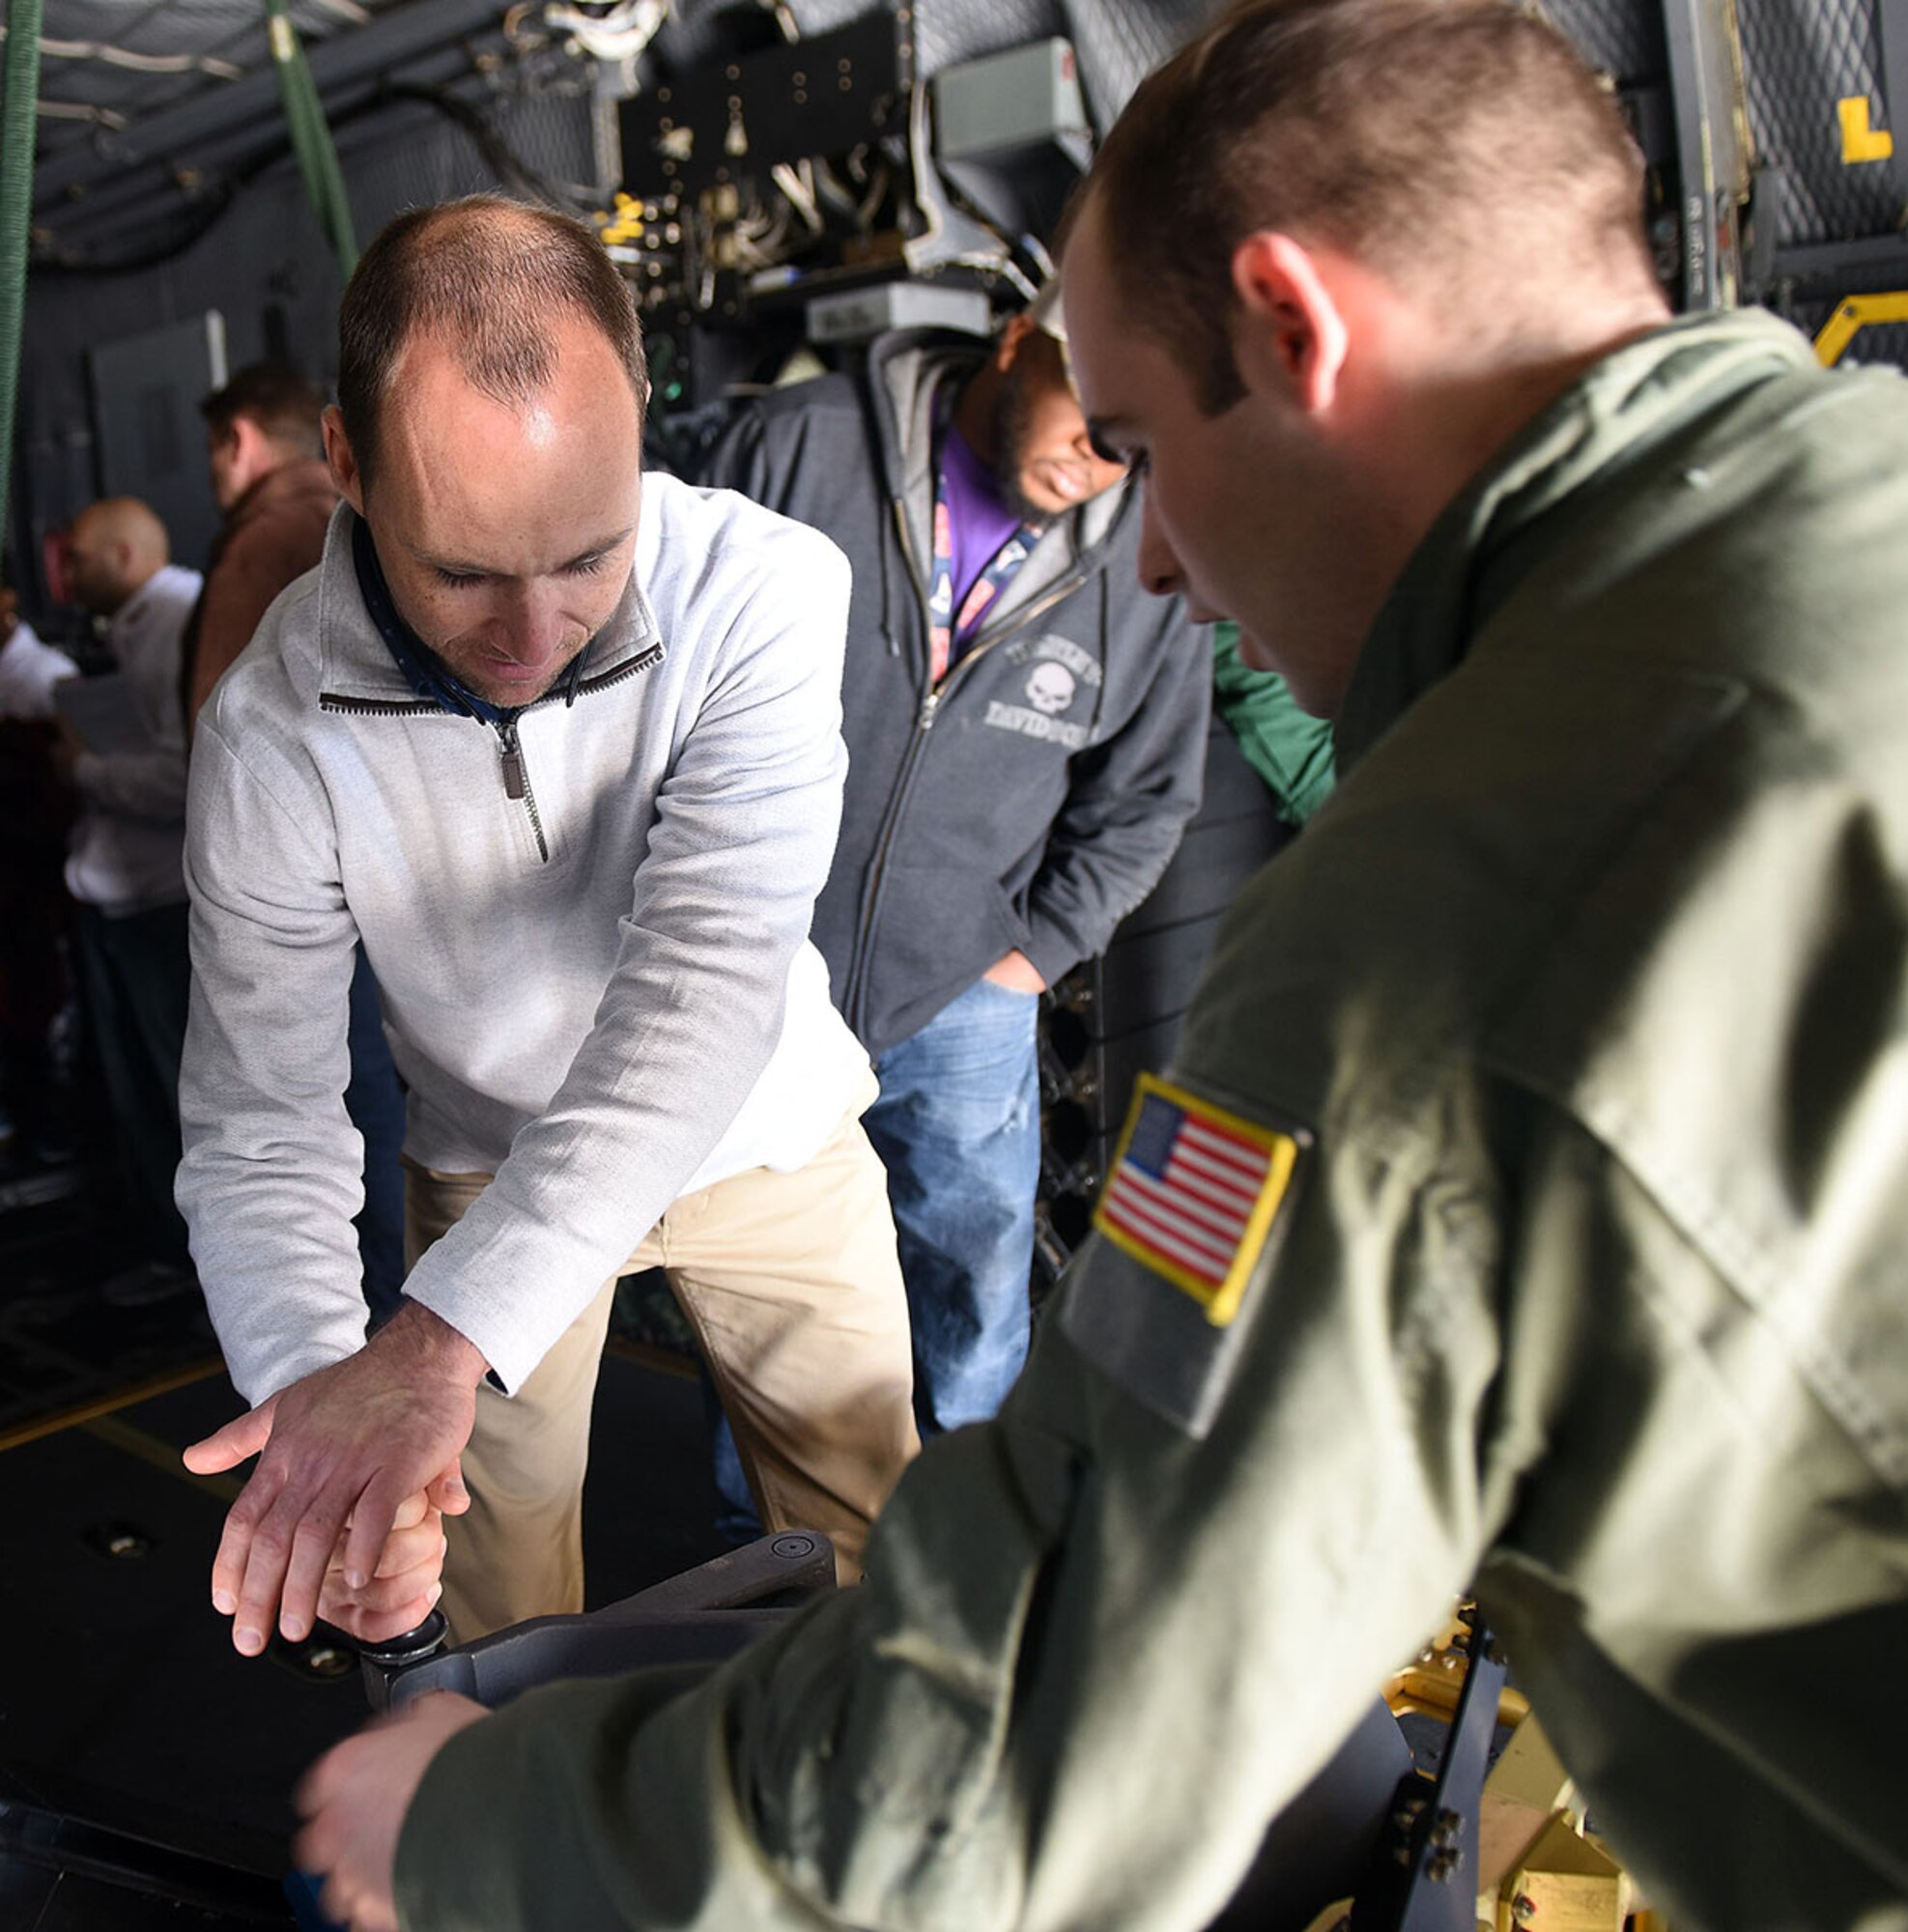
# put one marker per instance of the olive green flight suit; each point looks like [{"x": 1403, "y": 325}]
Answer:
[{"x": 1584, "y": 1003}]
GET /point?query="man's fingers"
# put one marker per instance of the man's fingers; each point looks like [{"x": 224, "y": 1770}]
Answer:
[
  {"x": 410, "y": 1512},
  {"x": 223, "y": 1449},
  {"x": 226, "y": 1448},
  {"x": 370, "y": 1525},
  {"x": 387, "y": 1593},
  {"x": 256, "y": 1501},
  {"x": 407, "y": 1549},
  {"x": 323, "y": 1779},
  {"x": 312, "y": 1545},
  {"x": 408, "y": 1584},
  {"x": 370, "y": 1625},
  {"x": 448, "y": 1493},
  {"x": 293, "y": 1517}
]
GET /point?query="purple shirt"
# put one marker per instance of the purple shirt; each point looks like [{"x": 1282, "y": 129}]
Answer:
[{"x": 978, "y": 520}]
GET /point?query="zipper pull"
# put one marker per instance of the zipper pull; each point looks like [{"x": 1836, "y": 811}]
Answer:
[
  {"x": 930, "y": 704},
  {"x": 513, "y": 760}
]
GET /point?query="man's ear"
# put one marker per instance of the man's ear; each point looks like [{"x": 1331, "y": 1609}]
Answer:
[
  {"x": 1012, "y": 337},
  {"x": 1293, "y": 331},
  {"x": 346, "y": 478},
  {"x": 253, "y": 447}
]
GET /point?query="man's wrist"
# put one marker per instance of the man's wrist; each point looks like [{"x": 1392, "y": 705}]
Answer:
[{"x": 439, "y": 1348}]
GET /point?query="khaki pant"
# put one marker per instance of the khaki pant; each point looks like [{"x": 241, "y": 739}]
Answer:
[{"x": 792, "y": 1285}]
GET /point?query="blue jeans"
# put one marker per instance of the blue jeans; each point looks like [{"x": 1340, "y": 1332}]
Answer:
[{"x": 957, "y": 1126}]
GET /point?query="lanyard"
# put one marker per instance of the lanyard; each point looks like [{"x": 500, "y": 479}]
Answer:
[{"x": 946, "y": 628}]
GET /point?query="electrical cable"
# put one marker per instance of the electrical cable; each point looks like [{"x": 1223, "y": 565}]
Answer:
[
  {"x": 109, "y": 55},
  {"x": 619, "y": 33},
  {"x": 79, "y": 110}
]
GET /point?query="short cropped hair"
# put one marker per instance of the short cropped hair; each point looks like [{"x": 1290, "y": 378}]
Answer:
[
  {"x": 286, "y": 408},
  {"x": 488, "y": 276},
  {"x": 1424, "y": 138}
]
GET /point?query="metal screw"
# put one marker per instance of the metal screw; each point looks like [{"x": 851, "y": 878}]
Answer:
[
  {"x": 792, "y": 1547},
  {"x": 1443, "y": 1866},
  {"x": 1445, "y": 1830}
]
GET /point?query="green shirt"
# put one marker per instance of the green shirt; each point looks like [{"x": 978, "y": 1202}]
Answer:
[
  {"x": 1289, "y": 748},
  {"x": 1587, "y": 997}
]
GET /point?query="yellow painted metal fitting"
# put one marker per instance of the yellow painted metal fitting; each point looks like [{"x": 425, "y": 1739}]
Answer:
[{"x": 1852, "y": 314}]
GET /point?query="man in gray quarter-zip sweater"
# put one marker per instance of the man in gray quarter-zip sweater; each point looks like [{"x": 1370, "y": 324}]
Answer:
[
  {"x": 560, "y": 744},
  {"x": 1026, "y": 739}
]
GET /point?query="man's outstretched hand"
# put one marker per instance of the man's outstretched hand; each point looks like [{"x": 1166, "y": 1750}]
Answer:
[
  {"x": 354, "y": 1802},
  {"x": 345, "y": 1446}
]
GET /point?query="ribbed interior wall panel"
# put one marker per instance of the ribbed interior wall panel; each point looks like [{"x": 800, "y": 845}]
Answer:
[
  {"x": 1798, "y": 62},
  {"x": 265, "y": 253}
]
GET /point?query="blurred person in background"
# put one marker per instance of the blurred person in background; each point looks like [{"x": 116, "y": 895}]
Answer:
[{"x": 125, "y": 866}]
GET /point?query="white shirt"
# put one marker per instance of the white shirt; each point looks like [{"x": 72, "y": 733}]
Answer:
[
  {"x": 29, "y": 669},
  {"x": 126, "y": 855}
]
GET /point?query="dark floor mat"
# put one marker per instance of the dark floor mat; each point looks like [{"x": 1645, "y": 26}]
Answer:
[
  {"x": 64, "y": 1345},
  {"x": 125, "y": 1705}
]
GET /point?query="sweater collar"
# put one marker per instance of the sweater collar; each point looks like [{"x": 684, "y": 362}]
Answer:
[{"x": 1483, "y": 542}]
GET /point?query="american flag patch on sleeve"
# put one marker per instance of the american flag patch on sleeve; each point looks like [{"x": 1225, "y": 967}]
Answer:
[{"x": 1194, "y": 1192}]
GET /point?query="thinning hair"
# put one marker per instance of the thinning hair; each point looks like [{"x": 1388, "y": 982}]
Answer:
[
  {"x": 1461, "y": 144},
  {"x": 288, "y": 409},
  {"x": 133, "y": 522},
  {"x": 487, "y": 276}
]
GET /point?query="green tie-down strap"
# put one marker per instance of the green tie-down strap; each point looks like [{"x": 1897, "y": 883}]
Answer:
[
  {"x": 18, "y": 119},
  {"x": 311, "y": 137}
]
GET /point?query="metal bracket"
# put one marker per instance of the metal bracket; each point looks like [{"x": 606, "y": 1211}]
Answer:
[
  {"x": 1851, "y": 315},
  {"x": 700, "y": 1616},
  {"x": 1712, "y": 146},
  {"x": 1429, "y": 1863}
]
